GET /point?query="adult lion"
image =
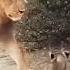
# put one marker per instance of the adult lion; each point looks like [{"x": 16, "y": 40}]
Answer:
[{"x": 10, "y": 11}]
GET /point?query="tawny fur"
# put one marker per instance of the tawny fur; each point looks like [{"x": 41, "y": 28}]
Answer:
[{"x": 10, "y": 11}]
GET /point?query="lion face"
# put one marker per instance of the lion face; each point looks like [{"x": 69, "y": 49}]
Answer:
[{"x": 14, "y": 9}]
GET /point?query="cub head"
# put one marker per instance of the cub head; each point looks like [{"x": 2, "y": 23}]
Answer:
[{"x": 14, "y": 9}]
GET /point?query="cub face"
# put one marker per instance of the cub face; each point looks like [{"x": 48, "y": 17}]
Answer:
[{"x": 14, "y": 9}]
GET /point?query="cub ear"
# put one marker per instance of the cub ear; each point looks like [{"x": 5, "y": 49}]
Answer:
[
  {"x": 66, "y": 54},
  {"x": 52, "y": 57}
]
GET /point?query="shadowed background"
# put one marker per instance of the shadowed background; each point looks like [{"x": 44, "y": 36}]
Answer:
[{"x": 47, "y": 24}]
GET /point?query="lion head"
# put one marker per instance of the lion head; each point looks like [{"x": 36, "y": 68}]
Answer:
[{"x": 13, "y": 9}]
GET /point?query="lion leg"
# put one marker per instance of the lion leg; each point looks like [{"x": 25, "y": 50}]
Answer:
[{"x": 19, "y": 55}]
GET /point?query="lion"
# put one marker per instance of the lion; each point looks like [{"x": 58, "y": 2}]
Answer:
[
  {"x": 58, "y": 60},
  {"x": 11, "y": 11}
]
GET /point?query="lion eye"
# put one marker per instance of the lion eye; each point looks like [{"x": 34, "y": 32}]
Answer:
[
  {"x": 10, "y": 15},
  {"x": 21, "y": 11}
]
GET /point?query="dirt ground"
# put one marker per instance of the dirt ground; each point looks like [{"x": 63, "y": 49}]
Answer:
[{"x": 39, "y": 61}]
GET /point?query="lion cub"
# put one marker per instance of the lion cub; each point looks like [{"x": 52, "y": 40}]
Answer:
[{"x": 58, "y": 61}]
